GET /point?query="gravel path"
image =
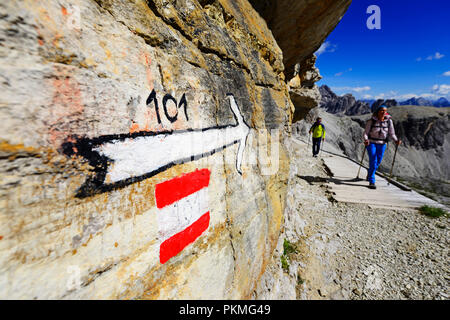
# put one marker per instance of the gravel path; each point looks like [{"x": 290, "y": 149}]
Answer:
[{"x": 349, "y": 251}]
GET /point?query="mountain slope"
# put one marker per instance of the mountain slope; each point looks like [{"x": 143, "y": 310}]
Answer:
[
  {"x": 347, "y": 104},
  {"x": 422, "y": 159}
]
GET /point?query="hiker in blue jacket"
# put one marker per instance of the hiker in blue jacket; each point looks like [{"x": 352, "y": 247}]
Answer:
[
  {"x": 376, "y": 134},
  {"x": 318, "y": 132}
]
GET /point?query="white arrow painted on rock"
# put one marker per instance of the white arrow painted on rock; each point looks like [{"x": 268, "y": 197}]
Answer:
[{"x": 143, "y": 155}]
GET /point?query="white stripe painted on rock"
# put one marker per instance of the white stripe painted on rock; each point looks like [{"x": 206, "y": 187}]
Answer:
[
  {"x": 138, "y": 156},
  {"x": 181, "y": 214}
]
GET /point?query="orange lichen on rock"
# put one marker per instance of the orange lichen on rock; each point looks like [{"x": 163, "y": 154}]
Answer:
[{"x": 16, "y": 148}]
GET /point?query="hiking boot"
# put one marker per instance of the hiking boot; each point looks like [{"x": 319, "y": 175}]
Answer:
[{"x": 372, "y": 185}]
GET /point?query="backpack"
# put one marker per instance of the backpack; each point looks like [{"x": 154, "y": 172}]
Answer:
[
  {"x": 315, "y": 125},
  {"x": 373, "y": 124}
]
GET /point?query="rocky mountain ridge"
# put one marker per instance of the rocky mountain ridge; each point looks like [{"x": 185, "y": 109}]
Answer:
[
  {"x": 419, "y": 101},
  {"x": 347, "y": 104}
]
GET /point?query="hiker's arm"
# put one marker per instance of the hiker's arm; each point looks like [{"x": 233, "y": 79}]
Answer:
[
  {"x": 391, "y": 132},
  {"x": 366, "y": 132}
]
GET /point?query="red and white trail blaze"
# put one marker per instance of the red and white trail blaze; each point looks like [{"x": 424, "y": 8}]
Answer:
[{"x": 183, "y": 213}]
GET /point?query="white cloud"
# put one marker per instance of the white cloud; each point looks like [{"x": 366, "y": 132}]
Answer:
[
  {"x": 342, "y": 72},
  {"x": 436, "y": 56},
  {"x": 361, "y": 89},
  {"x": 406, "y": 96},
  {"x": 437, "y": 91},
  {"x": 327, "y": 46},
  {"x": 390, "y": 95},
  {"x": 443, "y": 89},
  {"x": 322, "y": 48},
  {"x": 447, "y": 74},
  {"x": 355, "y": 89}
]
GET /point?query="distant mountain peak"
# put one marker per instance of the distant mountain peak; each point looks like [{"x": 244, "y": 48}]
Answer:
[
  {"x": 442, "y": 102},
  {"x": 417, "y": 101},
  {"x": 420, "y": 101},
  {"x": 347, "y": 104}
]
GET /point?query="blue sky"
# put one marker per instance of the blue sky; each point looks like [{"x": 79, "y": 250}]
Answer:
[{"x": 409, "y": 55}]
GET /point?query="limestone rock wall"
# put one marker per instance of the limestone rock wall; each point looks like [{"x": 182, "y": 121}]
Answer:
[
  {"x": 104, "y": 101},
  {"x": 300, "y": 27},
  {"x": 141, "y": 149}
]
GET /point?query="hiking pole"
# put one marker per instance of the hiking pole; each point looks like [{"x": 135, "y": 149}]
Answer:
[
  {"x": 321, "y": 147},
  {"x": 360, "y": 165},
  {"x": 393, "y": 161},
  {"x": 309, "y": 136}
]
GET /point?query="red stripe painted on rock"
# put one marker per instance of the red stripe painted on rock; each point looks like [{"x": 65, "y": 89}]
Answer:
[
  {"x": 172, "y": 246},
  {"x": 177, "y": 188}
]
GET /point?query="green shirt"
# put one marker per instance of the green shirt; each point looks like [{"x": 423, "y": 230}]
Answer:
[{"x": 318, "y": 130}]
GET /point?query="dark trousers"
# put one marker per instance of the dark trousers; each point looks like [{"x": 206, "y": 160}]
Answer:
[{"x": 316, "y": 145}]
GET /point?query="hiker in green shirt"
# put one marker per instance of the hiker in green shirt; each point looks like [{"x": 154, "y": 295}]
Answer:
[{"x": 318, "y": 134}]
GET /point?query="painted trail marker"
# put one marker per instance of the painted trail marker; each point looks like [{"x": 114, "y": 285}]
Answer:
[
  {"x": 183, "y": 213},
  {"x": 123, "y": 159}
]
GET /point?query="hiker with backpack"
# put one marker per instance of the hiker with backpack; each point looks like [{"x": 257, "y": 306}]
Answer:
[
  {"x": 318, "y": 135},
  {"x": 379, "y": 128}
]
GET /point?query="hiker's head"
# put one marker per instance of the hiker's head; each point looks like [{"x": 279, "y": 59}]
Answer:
[
  {"x": 319, "y": 120},
  {"x": 381, "y": 111}
]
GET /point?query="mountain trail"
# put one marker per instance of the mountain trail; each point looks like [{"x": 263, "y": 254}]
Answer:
[{"x": 352, "y": 250}]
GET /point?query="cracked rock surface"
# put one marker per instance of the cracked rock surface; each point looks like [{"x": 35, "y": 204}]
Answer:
[{"x": 82, "y": 70}]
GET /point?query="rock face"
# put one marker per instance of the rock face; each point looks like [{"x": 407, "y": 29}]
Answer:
[
  {"x": 388, "y": 103},
  {"x": 304, "y": 93},
  {"x": 346, "y": 104},
  {"x": 141, "y": 146},
  {"x": 300, "y": 27}
]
